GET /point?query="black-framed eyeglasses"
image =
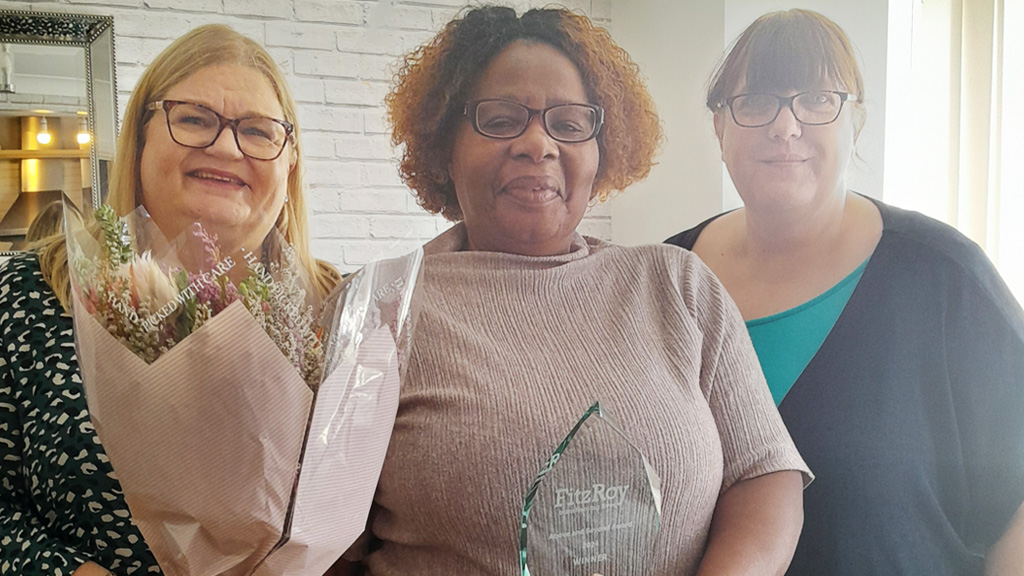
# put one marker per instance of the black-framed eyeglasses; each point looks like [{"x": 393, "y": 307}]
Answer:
[
  {"x": 503, "y": 119},
  {"x": 196, "y": 126},
  {"x": 813, "y": 108}
]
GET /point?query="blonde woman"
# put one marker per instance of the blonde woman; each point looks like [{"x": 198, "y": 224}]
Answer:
[{"x": 61, "y": 509}]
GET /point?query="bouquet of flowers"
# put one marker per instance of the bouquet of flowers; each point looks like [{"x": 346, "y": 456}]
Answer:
[{"x": 246, "y": 418}]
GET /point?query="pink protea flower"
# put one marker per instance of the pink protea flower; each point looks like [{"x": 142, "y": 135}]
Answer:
[
  {"x": 150, "y": 284},
  {"x": 90, "y": 300}
]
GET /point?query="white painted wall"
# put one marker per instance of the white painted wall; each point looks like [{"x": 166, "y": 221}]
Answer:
[
  {"x": 678, "y": 44},
  {"x": 337, "y": 56}
]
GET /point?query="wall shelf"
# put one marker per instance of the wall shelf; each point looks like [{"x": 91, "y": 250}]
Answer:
[{"x": 41, "y": 154}]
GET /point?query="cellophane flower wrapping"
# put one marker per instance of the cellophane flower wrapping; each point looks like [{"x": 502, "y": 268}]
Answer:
[{"x": 246, "y": 419}]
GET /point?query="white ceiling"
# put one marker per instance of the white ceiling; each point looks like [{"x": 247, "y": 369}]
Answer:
[{"x": 50, "y": 78}]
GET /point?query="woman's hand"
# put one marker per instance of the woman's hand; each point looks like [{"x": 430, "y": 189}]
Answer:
[
  {"x": 756, "y": 526},
  {"x": 91, "y": 569}
]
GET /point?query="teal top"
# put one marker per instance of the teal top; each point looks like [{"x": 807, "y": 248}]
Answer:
[{"x": 786, "y": 342}]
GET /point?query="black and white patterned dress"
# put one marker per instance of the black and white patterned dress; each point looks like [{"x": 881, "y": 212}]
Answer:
[{"x": 61, "y": 504}]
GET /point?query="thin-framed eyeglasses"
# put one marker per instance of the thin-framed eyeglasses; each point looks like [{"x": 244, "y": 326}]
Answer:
[
  {"x": 813, "y": 108},
  {"x": 196, "y": 126},
  {"x": 504, "y": 119}
]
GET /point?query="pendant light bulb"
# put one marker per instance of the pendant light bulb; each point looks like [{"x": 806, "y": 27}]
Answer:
[
  {"x": 83, "y": 132},
  {"x": 43, "y": 137}
]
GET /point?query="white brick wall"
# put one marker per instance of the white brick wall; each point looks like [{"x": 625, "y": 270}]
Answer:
[{"x": 338, "y": 56}]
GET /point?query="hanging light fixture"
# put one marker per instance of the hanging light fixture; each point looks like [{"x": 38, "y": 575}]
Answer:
[
  {"x": 43, "y": 137},
  {"x": 83, "y": 131}
]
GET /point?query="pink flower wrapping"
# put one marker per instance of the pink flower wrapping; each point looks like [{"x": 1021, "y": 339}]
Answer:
[{"x": 231, "y": 463}]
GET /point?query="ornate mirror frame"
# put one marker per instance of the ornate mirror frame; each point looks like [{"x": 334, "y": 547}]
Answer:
[{"x": 95, "y": 34}]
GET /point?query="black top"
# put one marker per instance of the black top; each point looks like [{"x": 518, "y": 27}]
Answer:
[
  {"x": 60, "y": 503},
  {"x": 911, "y": 414}
]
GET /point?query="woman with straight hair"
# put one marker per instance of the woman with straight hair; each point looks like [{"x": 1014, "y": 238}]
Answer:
[
  {"x": 889, "y": 341},
  {"x": 62, "y": 510}
]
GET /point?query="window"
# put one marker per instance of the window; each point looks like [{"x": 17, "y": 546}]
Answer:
[{"x": 954, "y": 141}]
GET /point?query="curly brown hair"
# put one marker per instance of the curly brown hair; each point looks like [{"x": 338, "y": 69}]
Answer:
[{"x": 427, "y": 100}]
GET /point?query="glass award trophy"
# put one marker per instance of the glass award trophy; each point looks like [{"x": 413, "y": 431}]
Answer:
[{"x": 594, "y": 508}]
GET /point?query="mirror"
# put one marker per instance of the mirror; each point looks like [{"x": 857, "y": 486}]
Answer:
[{"x": 58, "y": 115}]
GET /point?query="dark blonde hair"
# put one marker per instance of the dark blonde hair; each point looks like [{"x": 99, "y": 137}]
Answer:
[
  {"x": 789, "y": 50},
  {"x": 434, "y": 81},
  {"x": 209, "y": 45},
  {"x": 48, "y": 222}
]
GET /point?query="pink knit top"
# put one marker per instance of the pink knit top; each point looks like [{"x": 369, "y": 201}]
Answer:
[{"x": 509, "y": 351}]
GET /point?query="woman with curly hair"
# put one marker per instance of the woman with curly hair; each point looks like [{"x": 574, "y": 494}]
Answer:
[{"x": 511, "y": 126}]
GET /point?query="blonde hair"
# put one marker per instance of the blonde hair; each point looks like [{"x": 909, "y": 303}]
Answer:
[
  {"x": 48, "y": 222},
  {"x": 209, "y": 45}
]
